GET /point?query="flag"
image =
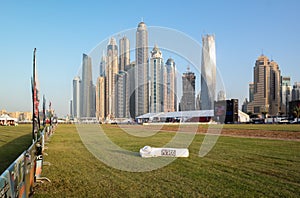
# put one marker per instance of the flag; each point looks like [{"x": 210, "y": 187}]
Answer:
[
  {"x": 44, "y": 111},
  {"x": 35, "y": 100}
]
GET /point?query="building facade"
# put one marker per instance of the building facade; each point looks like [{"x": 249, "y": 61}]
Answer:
[
  {"x": 124, "y": 53},
  {"x": 170, "y": 87},
  {"x": 296, "y": 91},
  {"x": 266, "y": 94},
  {"x": 156, "y": 66},
  {"x": 130, "y": 69},
  {"x": 76, "y": 97},
  {"x": 122, "y": 98},
  {"x": 251, "y": 92},
  {"x": 187, "y": 102},
  {"x": 112, "y": 69},
  {"x": 286, "y": 94},
  {"x": 100, "y": 98},
  {"x": 208, "y": 72},
  {"x": 87, "y": 87},
  {"x": 141, "y": 70}
]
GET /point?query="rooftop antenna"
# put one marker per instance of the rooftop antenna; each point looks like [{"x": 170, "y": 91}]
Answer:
[
  {"x": 142, "y": 19},
  {"x": 262, "y": 51}
]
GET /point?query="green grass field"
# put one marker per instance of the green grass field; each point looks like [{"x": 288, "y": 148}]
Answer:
[
  {"x": 236, "y": 167},
  {"x": 13, "y": 141}
]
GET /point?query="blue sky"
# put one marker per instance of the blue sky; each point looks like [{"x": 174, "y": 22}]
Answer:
[{"x": 63, "y": 30}]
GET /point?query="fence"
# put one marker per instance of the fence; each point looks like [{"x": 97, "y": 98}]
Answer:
[{"x": 19, "y": 178}]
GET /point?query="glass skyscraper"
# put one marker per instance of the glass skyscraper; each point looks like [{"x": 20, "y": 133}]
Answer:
[
  {"x": 141, "y": 70},
  {"x": 208, "y": 72}
]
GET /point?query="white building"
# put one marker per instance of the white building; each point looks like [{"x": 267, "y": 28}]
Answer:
[
  {"x": 208, "y": 72},
  {"x": 156, "y": 66}
]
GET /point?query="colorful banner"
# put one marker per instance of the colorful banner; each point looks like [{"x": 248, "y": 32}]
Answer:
[
  {"x": 17, "y": 177},
  {"x": 30, "y": 169},
  {"x": 5, "y": 186}
]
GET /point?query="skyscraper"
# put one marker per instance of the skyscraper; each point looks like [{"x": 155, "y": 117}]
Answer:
[
  {"x": 130, "y": 69},
  {"x": 286, "y": 94},
  {"x": 187, "y": 102},
  {"x": 296, "y": 91},
  {"x": 170, "y": 87},
  {"x": 112, "y": 68},
  {"x": 76, "y": 97},
  {"x": 124, "y": 53},
  {"x": 221, "y": 95},
  {"x": 251, "y": 92},
  {"x": 141, "y": 70},
  {"x": 275, "y": 97},
  {"x": 100, "y": 98},
  {"x": 122, "y": 91},
  {"x": 266, "y": 94},
  {"x": 88, "y": 107},
  {"x": 156, "y": 65},
  {"x": 208, "y": 72},
  {"x": 102, "y": 65}
]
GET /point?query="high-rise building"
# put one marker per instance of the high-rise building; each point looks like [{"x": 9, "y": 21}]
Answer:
[
  {"x": 251, "y": 92},
  {"x": 87, "y": 87},
  {"x": 102, "y": 65},
  {"x": 266, "y": 97},
  {"x": 76, "y": 97},
  {"x": 130, "y": 69},
  {"x": 112, "y": 68},
  {"x": 122, "y": 98},
  {"x": 296, "y": 91},
  {"x": 100, "y": 98},
  {"x": 221, "y": 95},
  {"x": 170, "y": 87},
  {"x": 208, "y": 72},
  {"x": 275, "y": 97},
  {"x": 156, "y": 66},
  {"x": 141, "y": 70},
  {"x": 124, "y": 53},
  {"x": 187, "y": 102},
  {"x": 71, "y": 109},
  {"x": 245, "y": 105},
  {"x": 198, "y": 102},
  {"x": 286, "y": 94}
]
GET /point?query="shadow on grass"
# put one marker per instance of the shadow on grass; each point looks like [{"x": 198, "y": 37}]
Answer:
[{"x": 11, "y": 150}]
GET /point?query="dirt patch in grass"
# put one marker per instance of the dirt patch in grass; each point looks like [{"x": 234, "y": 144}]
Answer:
[{"x": 248, "y": 131}]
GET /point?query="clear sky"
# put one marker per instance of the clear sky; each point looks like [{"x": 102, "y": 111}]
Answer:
[{"x": 63, "y": 30}]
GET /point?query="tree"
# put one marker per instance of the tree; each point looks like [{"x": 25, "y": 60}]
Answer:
[{"x": 297, "y": 112}]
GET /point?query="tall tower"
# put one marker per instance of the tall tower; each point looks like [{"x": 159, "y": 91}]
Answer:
[
  {"x": 296, "y": 91},
  {"x": 208, "y": 72},
  {"x": 76, "y": 97},
  {"x": 100, "y": 98},
  {"x": 187, "y": 102},
  {"x": 102, "y": 65},
  {"x": 112, "y": 68},
  {"x": 130, "y": 70},
  {"x": 141, "y": 70},
  {"x": 266, "y": 87},
  {"x": 275, "y": 97},
  {"x": 122, "y": 91},
  {"x": 286, "y": 94},
  {"x": 251, "y": 92},
  {"x": 87, "y": 87},
  {"x": 124, "y": 53},
  {"x": 156, "y": 81},
  {"x": 170, "y": 89}
]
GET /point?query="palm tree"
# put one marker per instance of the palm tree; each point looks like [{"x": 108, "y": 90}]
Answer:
[{"x": 297, "y": 112}]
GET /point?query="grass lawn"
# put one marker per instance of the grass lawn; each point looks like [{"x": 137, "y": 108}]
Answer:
[
  {"x": 13, "y": 141},
  {"x": 240, "y": 167}
]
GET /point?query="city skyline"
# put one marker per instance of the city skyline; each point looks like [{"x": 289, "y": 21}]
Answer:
[{"x": 61, "y": 41}]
